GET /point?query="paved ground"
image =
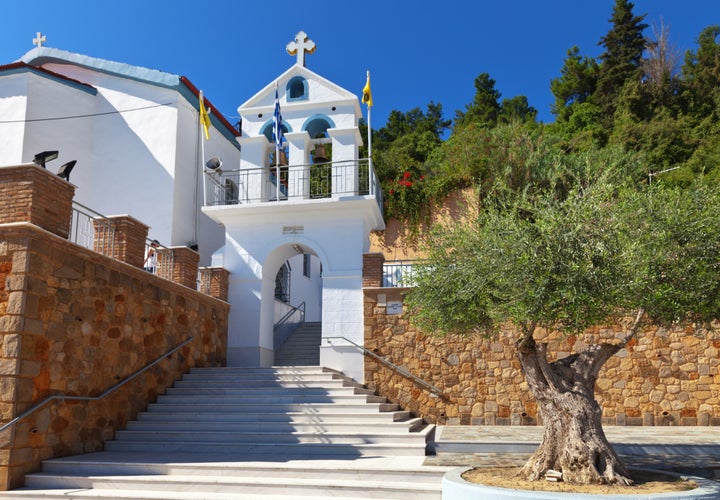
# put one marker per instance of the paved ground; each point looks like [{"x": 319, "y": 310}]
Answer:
[{"x": 690, "y": 450}]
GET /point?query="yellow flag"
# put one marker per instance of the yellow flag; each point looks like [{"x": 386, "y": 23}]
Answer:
[
  {"x": 204, "y": 118},
  {"x": 367, "y": 95}
]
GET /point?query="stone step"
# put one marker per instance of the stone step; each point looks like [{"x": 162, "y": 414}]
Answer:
[
  {"x": 310, "y": 425},
  {"x": 260, "y": 383},
  {"x": 121, "y": 464},
  {"x": 290, "y": 436},
  {"x": 260, "y": 377},
  {"x": 307, "y": 408},
  {"x": 272, "y": 451},
  {"x": 253, "y": 391},
  {"x": 288, "y": 418},
  {"x": 275, "y": 398},
  {"x": 282, "y": 432},
  {"x": 228, "y": 485}
]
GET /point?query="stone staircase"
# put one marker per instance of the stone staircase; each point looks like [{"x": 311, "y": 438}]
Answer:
[
  {"x": 302, "y": 347},
  {"x": 282, "y": 432}
]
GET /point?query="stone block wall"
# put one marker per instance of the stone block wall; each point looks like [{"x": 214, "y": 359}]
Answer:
[
  {"x": 74, "y": 322},
  {"x": 665, "y": 377}
]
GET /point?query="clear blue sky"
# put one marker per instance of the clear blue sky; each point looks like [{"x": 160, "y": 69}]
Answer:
[{"x": 417, "y": 51}]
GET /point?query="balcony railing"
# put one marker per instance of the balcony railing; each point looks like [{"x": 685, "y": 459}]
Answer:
[
  {"x": 292, "y": 182},
  {"x": 85, "y": 226},
  {"x": 399, "y": 273}
]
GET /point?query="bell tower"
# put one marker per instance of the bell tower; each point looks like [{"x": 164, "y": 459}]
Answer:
[{"x": 300, "y": 187}]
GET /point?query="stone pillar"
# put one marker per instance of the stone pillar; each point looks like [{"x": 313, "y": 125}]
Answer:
[
  {"x": 179, "y": 265},
  {"x": 121, "y": 237},
  {"x": 30, "y": 193},
  {"x": 373, "y": 270},
  {"x": 214, "y": 282}
]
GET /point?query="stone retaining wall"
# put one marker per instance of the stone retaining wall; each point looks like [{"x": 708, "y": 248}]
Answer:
[
  {"x": 74, "y": 322},
  {"x": 666, "y": 377}
]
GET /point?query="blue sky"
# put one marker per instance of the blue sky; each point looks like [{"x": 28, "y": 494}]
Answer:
[{"x": 417, "y": 51}]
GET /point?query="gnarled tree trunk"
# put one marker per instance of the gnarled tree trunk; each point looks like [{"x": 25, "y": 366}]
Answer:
[{"x": 573, "y": 440}]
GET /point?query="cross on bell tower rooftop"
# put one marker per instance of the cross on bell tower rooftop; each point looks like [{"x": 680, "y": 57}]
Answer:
[
  {"x": 300, "y": 46},
  {"x": 39, "y": 39}
]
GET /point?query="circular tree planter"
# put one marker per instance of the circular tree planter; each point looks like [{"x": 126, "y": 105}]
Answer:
[{"x": 454, "y": 487}]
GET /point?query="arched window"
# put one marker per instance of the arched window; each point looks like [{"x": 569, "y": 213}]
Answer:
[
  {"x": 317, "y": 126},
  {"x": 267, "y": 130},
  {"x": 297, "y": 89}
]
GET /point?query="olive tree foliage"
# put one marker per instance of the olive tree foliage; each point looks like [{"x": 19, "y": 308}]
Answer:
[{"x": 597, "y": 251}]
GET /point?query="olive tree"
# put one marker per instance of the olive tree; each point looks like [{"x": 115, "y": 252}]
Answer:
[{"x": 602, "y": 252}]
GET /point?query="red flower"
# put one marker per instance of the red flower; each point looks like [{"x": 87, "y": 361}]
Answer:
[
  {"x": 392, "y": 191},
  {"x": 407, "y": 175}
]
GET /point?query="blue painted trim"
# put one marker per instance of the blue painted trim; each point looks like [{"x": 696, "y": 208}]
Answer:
[
  {"x": 89, "y": 89},
  {"x": 269, "y": 125},
  {"x": 317, "y": 116},
  {"x": 306, "y": 91}
]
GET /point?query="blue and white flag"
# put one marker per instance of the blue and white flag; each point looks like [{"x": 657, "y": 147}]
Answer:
[{"x": 277, "y": 121}]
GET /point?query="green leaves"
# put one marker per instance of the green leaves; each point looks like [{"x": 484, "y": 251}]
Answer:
[{"x": 603, "y": 250}]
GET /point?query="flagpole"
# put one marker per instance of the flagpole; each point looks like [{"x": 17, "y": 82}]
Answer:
[
  {"x": 369, "y": 107},
  {"x": 277, "y": 117},
  {"x": 202, "y": 150}
]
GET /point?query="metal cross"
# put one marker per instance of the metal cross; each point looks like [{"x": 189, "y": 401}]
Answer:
[
  {"x": 39, "y": 40},
  {"x": 300, "y": 46}
]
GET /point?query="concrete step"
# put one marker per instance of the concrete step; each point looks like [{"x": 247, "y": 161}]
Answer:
[
  {"x": 290, "y": 436},
  {"x": 275, "y": 398},
  {"x": 264, "y": 384},
  {"x": 307, "y": 408},
  {"x": 121, "y": 464},
  {"x": 309, "y": 425},
  {"x": 239, "y": 389},
  {"x": 288, "y": 418},
  {"x": 282, "y": 432},
  {"x": 228, "y": 485},
  {"x": 273, "y": 451}
]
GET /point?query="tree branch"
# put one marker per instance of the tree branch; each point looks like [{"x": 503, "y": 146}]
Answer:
[
  {"x": 633, "y": 328},
  {"x": 548, "y": 373}
]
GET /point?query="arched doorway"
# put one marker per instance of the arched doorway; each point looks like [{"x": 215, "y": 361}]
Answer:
[{"x": 291, "y": 292}]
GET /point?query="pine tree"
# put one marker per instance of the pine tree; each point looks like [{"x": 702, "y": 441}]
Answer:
[{"x": 624, "y": 45}]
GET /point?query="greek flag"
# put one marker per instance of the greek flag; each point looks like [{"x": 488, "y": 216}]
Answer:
[{"x": 277, "y": 121}]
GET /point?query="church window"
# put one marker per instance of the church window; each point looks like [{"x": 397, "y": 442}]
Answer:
[{"x": 297, "y": 89}]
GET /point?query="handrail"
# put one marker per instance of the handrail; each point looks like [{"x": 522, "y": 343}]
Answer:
[
  {"x": 287, "y": 315},
  {"x": 112, "y": 389},
  {"x": 402, "y": 371}
]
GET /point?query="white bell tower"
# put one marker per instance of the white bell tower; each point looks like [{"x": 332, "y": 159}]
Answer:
[{"x": 300, "y": 187}]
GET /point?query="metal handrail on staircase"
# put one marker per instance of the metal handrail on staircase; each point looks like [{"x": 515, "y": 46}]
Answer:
[
  {"x": 112, "y": 389},
  {"x": 292, "y": 310},
  {"x": 399, "y": 369}
]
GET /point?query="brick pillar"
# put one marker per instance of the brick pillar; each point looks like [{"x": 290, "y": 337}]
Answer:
[
  {"x": 214, "y": 281},
  {"x": 30, "y": 193},
  {"x": 121, "y": 237},
  {"x": 179, "y": 265},
  {"x": 373, "y": 270}
]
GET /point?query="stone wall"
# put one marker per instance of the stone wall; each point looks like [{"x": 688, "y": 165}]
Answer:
[
  {"x": 666, "y": 377},
  {"x": 74, "y": 322}
]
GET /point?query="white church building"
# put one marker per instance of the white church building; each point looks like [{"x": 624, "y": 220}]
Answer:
[
  {"x": 133, "y": 131},
  {"x": 290, "y": 232}
]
